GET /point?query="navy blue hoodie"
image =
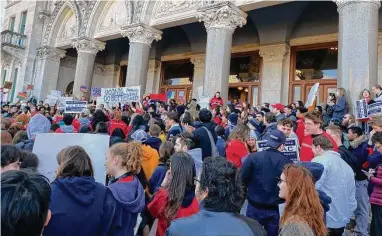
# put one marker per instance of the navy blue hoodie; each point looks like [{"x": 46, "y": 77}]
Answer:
[
  {"x": 77, "y": 206},
  {"x": 126, "y": 199},
  {"x": 154, "y": 142}
]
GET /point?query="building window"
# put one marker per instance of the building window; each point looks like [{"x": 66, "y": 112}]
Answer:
[
  {"x": 11, "y": 25},
  {"x": 4, "y": 77},
  {"x": 14, "y": 84},
  {"x": 176, "y": 80},
  {"x": 312, "y": 64},
  {"x": 23, "y": 22}
]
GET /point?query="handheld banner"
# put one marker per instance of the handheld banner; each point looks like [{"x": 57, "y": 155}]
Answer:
[
  {"x": 125, "y": 94},
  {"x": 30, "y": 87},
  {"x": 22, "y": 95},
  {"x": 48, "y": 145},
  {"x": 96, "y": 92},
  {"x": 290, "y": 148},
  {"x": 7, "y": 85},
  {"x": 84, "y": 89},
  {"x": 364, "y": 111},
  {"x": 312, "y": 95},
  {"x": 75, "y": 106}
]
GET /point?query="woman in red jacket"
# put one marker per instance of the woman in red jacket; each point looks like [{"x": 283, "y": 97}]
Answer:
[
  {"x": 236, "y": 148},
  {"x": 176, "y": 196},
  {"x": 300, "y": 131},
  {"x": 376, "y": 196}
]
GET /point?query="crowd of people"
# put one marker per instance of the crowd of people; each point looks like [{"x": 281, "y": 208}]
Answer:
[{"x": 179, "y": 169}]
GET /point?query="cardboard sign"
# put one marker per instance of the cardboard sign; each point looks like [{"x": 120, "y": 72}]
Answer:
[
  {"x": 22, "y": 95},
  {"x": 158, "y": 97},
  {"x": 312, "y": 95},
  {"x": 364, "y": 111},
  {"x": 75, "y": 106},
  {"x": 290, "y": 148},
  {"x": 84, "y": 89},
  {"x": 47, "y": 146},
  {"x": 96, "y": 92},
  {"x": 124, "y": 94},
  {"x": 7, "y": 85},
  {"x": 30, "y": 87}
]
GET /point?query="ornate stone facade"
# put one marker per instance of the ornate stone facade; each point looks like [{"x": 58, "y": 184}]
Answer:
[
  {"x": 141, "y": 33},
  {"x": 50, "y": 53},
  {"x": 222, "y": 15},
  {"x": 274, "y": 52},
  {"x": 91, "y": 46}
]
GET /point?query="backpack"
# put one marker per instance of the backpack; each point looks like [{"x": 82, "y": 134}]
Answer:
[{"x": 214, "y": 150}]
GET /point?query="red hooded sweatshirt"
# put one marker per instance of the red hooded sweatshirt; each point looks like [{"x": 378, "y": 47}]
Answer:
[
  {"x": 236, "y": 150},
  {"x": 214, "y": 102}
]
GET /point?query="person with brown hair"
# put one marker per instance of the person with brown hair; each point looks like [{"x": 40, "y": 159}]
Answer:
[
  {"x": 165, "y": 152},
  {"x": 176, "y": 197},
  {"x": 338, "y": 182},
  {"x": 153, "y": 139},
  {"x": 77, "y": 200},
  {"x": 6, "y": 123},
  {"x": 6, "y": 137},
  {"x": 125, "y": 193},
  {"x": 286, "y": 126},
  {"x": 313, "y": 128},
  {"x": 302, "y": 215},
  {"x": 236, "y": 148},
  {"x": 340, "y": 107}
]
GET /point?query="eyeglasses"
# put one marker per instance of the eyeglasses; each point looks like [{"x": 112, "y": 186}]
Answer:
[{"x": 280, "y": 180}]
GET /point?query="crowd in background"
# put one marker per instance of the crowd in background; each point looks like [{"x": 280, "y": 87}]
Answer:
[{"x": 177, "y": 169}]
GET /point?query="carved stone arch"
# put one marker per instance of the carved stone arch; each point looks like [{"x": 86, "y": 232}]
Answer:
[
  {"x": 6, "y": 61},
  {"x": 57, "y": 19},
  {"x": 107, "y": 17}
]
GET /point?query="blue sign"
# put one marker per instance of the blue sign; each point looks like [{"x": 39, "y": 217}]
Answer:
[
  {"x": 96, "y": 92},
  {"x": 374, "y": 108},
  {"x": 290, "y": 148},
  {"x": 75, "y": 106}
]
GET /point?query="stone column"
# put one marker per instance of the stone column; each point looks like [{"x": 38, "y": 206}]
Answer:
[
  {"x": 140, "y": 36},
  {"x": 357, "y": 46},
  {"x": 199, "y": 62},
  {"x": 152, "y": 85},
  {"x": 46, "y": 75},
  {"x": 380, "y": 58},
  {"x": 272, "y": 73},
  {"x": 220, "y": 20},
  {"x": 87, "y": 49}
]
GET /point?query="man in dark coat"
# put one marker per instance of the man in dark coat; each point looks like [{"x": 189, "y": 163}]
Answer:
[{"x": 202, "y": 136}]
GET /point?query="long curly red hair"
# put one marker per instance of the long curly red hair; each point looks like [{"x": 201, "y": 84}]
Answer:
[{"x": 302, "y": 200}]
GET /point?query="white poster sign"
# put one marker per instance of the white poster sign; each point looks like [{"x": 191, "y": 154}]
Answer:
[
  {"x": 312, "y": 95},
  {"x": 48, "y": 145},
  {"x": 125, "y": 94}
]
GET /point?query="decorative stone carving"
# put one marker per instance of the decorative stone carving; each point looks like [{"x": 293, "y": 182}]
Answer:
[
  {"x": 106, "y": 70},
  {"x": 88, "y": 45},
  {"x": 222, "y": 15},
  {"x": 6, "y": 59},
  {"x": 98, "y": 69},
  {"x": 44, "y": 15},
  {"x": 154, "y": 65},
  {"x": 50, "y": 53},
  {"x": 164, "y": 8},
  {"x": 68, "y": 27},
  {"x": 15, "y": 52},
  {"x": 17, "y": 63},
  {"x": 274, "y": 52},
  {"x": 86, "y": 7},
  {"x": 70, "y": 62},
  {"x": 137, "y": 11},
  {"x": 114, "y": 16},
  {"x": 198, "y": 60},
  {"x": 342, "y": 3},
  {"x": 141, "y": 33}
]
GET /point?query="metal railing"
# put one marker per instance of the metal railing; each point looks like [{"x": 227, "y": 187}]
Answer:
[{"x": 13, "y": 39}]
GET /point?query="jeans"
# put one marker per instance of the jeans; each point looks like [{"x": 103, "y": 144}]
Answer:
[
  {"x": 376, "y": 220},
  {"x": 361, "y": 213},
  {"x": 269, "y": 219}
]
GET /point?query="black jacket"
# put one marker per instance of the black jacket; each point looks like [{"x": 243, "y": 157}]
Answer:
[
  {"x": 268, "y": 130},
  {"x": 349, "y": 158},
  {"x": 202, "y": 139},
  {"x": 260, "y": 173}
]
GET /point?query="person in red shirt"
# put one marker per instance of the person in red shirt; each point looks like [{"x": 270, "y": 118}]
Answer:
[
  {"x": 216, "y": 101},
  {"x": 176, "y": 196},
  {"x": 216, "y": 115},
  {"x": 313, "y": 128},
  {"x": 68, "y": 125},
  {"x": 117, "y": 123},
  {"x": 236, "y": 148},
  {"x": 300, "y": 131}
]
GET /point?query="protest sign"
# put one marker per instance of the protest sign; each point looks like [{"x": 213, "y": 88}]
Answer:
[
  {"x": 48, "y": 145},
  {"x": 22, "y": 95},
  {"x": 7, "y": 85},
  {"x": 55, "y": 93},
  {"x": 124, "y": 94},
  {"x": 84, "y": 89},
  {"x": 204, "y": 102},
  {"x": 158, "y": 97},
  {"x": 30, "y": 87},
  {"x": 363, "y": 110},
  {"x": 312, "y": 95},
  {"x": 62, "y": 102},
  {"x": 290, "y": 148},
  {"x": 75, "y": 106},
  {"x": 96, "y": 92}
]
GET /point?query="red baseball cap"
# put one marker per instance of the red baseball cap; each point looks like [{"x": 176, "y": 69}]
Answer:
[{"x": 278, "y": 106}]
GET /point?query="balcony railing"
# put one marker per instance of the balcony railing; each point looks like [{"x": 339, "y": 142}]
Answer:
[{"x": 13, "y": 39}]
